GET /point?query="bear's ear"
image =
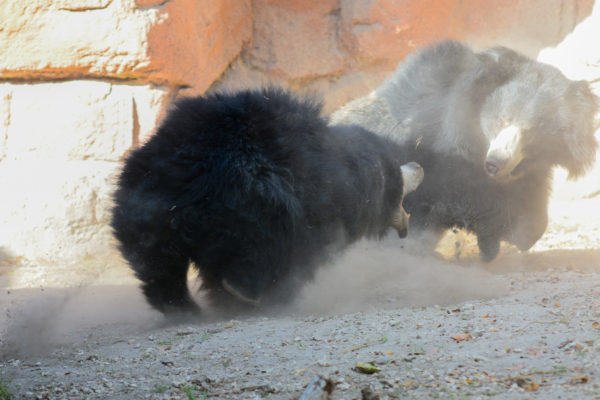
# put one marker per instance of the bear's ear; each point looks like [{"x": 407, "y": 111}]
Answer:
[{"x": 581, "y": 145}]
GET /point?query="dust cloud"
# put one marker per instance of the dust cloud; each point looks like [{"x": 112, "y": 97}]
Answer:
[
  {"x": 370, "y": 275},
  {"x": 68, "y": 310},
  {"x": 395, "y": 274}
]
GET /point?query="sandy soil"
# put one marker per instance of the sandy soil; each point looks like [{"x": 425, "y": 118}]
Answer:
[{"x": 524, "y": 326}]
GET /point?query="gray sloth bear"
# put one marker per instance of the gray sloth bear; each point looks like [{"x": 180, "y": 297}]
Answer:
[
  {"x": 487, "y": 128},
  {"x": 256, "y": 190}
]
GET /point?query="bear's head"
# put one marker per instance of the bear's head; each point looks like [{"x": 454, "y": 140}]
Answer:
[{"x": 536, "y": 120}]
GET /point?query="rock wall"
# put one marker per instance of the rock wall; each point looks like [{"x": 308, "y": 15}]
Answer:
[
  {"x": 84, "y": 81},
  {"x": 578, "y": 58}
]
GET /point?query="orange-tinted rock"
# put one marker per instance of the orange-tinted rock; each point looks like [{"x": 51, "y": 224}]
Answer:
[
  {"x": 189, "y": 43},
  {"x": 183, "y": 43},
  {"x": 195, "y": 41},
  {"x": 375, "y": 31},
  {"x": 240, "y": 76},
  {"x": 296, "y": 39},
  {"x": 385, "y": 31}
]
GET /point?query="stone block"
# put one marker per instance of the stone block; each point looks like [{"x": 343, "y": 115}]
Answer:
[
  {"x": 79, "y": 120},
  {"x": 195, "y": 41},
  {"x": 72, "y": 39},
  {"x": 56, "y": 211},
  {"x": 296, "y": 39}
]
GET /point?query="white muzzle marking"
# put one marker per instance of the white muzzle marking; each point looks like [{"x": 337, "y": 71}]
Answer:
[{"x": 505, "y": 152}]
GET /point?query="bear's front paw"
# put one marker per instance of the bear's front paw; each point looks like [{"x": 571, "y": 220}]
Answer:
[{"x": 489, "y": 247}]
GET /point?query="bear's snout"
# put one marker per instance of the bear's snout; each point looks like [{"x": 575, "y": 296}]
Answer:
[{"x": 492, "y": 166}]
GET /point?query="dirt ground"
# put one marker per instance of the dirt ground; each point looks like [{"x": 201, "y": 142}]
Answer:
[{"x": 526, "y": 326}]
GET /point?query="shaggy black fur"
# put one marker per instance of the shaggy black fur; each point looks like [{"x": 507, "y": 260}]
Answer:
[
  {"x": 256, "y": 191},
  {"x": 488, "y": 128},
  {"x": 456, "y": 194}
]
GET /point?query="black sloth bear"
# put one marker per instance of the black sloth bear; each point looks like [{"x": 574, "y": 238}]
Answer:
[
  {"x": 487, "y": 127},
  {"x": 256, "y": 190}
]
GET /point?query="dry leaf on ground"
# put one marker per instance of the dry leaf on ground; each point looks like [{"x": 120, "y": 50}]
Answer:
[{"x": 461, "y": 337}]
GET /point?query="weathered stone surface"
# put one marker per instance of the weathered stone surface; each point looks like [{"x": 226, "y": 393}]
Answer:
[
  {"x": 56, "y": 196},
  {"x": 183, "y": 43},
  {"x": 195, "y": 41},
  {"x": 337, "y": 92},
  {"x": 78, "y": 120},
  {"x": 296, "y": 39},
  {"x": 186, "y": 43},
  {"x": 5, "y": 96},
  {"x": 376, "y": 31},
  {"x": 149, "y": 105},
  {"x": 383, "y": 32},
  {"x": 578, "y": 56},
  {"x": 527, "y": 26},
  {"x": 240, "y": 76},
  {"x": 54, "y": 211},
  {"x": 69, "y": 38}
]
